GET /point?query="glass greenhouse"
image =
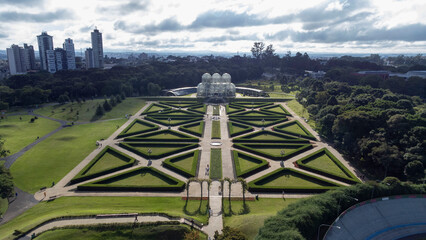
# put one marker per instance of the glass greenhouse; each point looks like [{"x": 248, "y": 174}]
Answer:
[{"x": 216, "y": 86}]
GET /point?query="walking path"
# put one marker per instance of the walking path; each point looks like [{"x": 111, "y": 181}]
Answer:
[
  {"x": 18, "y": 204},
  {"x": 205, "y": 144},
  {"x": 227, "y": 165},
  {"x": 215, "y": 219}
]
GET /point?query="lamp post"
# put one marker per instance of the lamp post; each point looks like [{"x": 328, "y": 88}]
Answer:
[
  {"x": 322, "y": 225},
  {"x": 263, "y": 124},
  {"x": 169, "y": 119},
  {"x": 282, "y": 159},
  {"x": 340, "y": 199}
]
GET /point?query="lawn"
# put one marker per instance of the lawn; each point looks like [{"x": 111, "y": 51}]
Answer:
[
  {"x": 143, "y": 232},
  {"x": 138, "y": 178},
  {"x": 193, "y": 128},
  {"x": 274, "y": 151},
  {"x": 216, "y": 130},
  {"x": 301, "y": 111},
  {"x": 216, "y": 110},
  {"x": 4, "y": 204},
  {"x": 109, "y": 160},
  {"x": 85, "y": 111},
  {"x": 155, "y": 148},
  {"x": 75, "y": 206},
  {"x": 250, "y": 223},
  {"x": 19, "y": 133},
  {"x": 184, "y": 164},
  {"x": 294, "y": 128},
  {"x": 324, "y": 162},
  {"x": 216, "y": 163},
  {"x": 61, "y": 152}
]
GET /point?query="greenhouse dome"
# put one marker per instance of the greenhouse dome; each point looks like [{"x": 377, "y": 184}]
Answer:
[{"x": 216, "y": 86}]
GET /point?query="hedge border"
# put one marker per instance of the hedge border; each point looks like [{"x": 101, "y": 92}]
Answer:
[
  {"x": 171, "y": 113},
  {"x": 143, "y": 137},
  {"x": 186, "y": 146},
  {"x": 247, "y": 104},
  {"x": 248, "y": 112},
  {"x": 244, "y": 120},
  {"x": 164, "y": 122},
  {"x": 239, "y": 173},
  {"x": 125, "y": 134},
  {"x": 147, "y": 110},
  {"x": 244, "y": 139},
  {"x": 95, "y": 186},
  {"x": 175, "y": 105},
  {"x": 80, "y": 178},
  {"x": 170, "y": 165},
  {"x": 234, "y": 134},
  {"x": 260, "y": 99},
  {"x": 244, "y": 147},
  {"x": 351, "y": 179},
  {"x": 265, "y": 109},
  {"x": 229, "y": 112},
  {"x": 307, "y": 135},
  {"x": 256, "y": 188},
  {"x": 193, "y": 109},
  {"x": 184, "y": 128}
]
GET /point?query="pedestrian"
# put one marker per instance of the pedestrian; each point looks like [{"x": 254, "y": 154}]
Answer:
[
  {"x": 16, "y": 195},
  {"x": 44, "y": 194},
  {"x": 38, "y": 137},
  {"x": 53, "y": 184},
  {"x": 136, "y": 218}
]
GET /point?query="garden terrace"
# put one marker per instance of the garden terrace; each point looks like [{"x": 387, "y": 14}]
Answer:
[
  {"x": 139, "y": 179},
  {"x": 180, "y": 104},
  {"x": 185, "y": 164},
  {"x": 231, "y": 109},
  {"x": 166, "y": 135},
  {"x": 137, "y": 127},
  {"x": 273, "y": 151},
  {"x": 174, "y": 120},
  {"x": 265, "y": 136},
  {"x": 176, "y": 113},
  {"x": 196, "y": 129},
  {"x": 107, "y": 161},
  {"x": 276, "y": 109},
  {"x": 236, "y": 129},
  {"x": 198, "y": 109},
  {"x": 295, "y": 128},
  {"x": 290, "y": 180},
  {"x": 247, "y": 165},
  {"x": 253, "y": 113},
  {"x": 159, "y": 150},
  {"x": 325, "y": 163},
  {"x": 256, "y": 121},
  {"x": 156, "y": 108},
  {"x": 251, "y": 104}
]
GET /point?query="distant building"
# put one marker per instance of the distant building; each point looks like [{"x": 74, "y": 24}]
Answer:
[
  {"x": 89, "y": 58},
  {"x": 316, "y": 75},
  {"x": 45, "y": 44},
  {"x": 51, "y": 61},
  {"x": 15, "y": 57},
  {"x": 97, "y": 48},
  {"x": 421, "y": 74},
  {"x": 29, "y": 57},
  {"x": 70, "y": 54},
  {"x": 60, "y": 59}
]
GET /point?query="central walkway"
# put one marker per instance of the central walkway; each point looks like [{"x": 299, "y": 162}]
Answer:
[{"x": 215, "y": 201}]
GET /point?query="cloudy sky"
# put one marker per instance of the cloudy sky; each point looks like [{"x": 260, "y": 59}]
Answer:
[{"x": 314, "y": 26}]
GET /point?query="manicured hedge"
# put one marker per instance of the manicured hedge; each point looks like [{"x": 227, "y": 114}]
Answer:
[
  {"x": 80, "y": 177},
  {"x": 271, "y": 119},
  {"x": 255, "y": 113},
  {"x": 307, "y": 133},
  {"x": 230, "y": 111},
  {"x": 267, "y": 109},
  {"x": 164, "y": 120},
  {"x": 262, "y": 164},
  {"x": 251, "y": 148},
  {"x": 285, "y": 138},
  {"x": 184, "y": 147},
  {"x": 248, "y": 104},
  {"x": 233, "y": 133},
  {"x": 137, "y": 121},
  {"x": 176, "y": 113},
  {"x": 351, "y": 178},
  {"x": 182, "y": 104},
  {"x": 148, "y": 109},
  {"x": 259, "y": 99},
  {"x": 99, "y": 186},
  {"x": 169, "y": 163},
  {"x": 195, "y": 109},
  {"x": 148, "y": 137},
  {"x": 199, "y": 133},
  {"x": 256, "y": 186}
]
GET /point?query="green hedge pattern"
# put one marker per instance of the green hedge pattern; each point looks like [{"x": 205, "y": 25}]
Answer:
[
  {"x": 284, "y": 138},
  {"x": 234, "y": 133},
  {"x": 100, "y": 185},
  {"x": 170, "y": 163},
  {"x": 306, "y": 135},
  {"x": 155, "y": 105},
  {"x": 253, "y": 148},
  {"x": 156, "y": 137},
  {"x": 280, "y": 112},
  {"x": 199, "y": 132},
  {"x": 256, "y": 121},
  {"x": 256, "y": 185},
  {"x": 183, "y": 147},
  {"x": 351, "y": 178},
  {"x": 231, "y": 109},
  {"x": 125, "y": 132},
  {"x": 261, "y": 164},
  {"x": 164, "y": 120},
  {"x": 81, "y": 176}
]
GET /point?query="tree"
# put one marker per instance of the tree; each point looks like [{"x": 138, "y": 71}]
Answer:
[
  {"x": 192, "y": 235},
  {"x": 3, "y": 151},
  {"x": 414, "y": 170},
  {"x": 99, "y": 110},
  {"x": 107, "y": 106},
  {"x": 63, "y": 99},
  {"x": 6, "y": 183},
  {"x": 229, "y": 233},
  {"x": 257, "y": 49}
]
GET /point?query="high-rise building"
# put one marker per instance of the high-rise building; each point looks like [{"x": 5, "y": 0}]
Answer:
[
  {"x": 45, "y": 43},
  {"x": 70, "y": 53},
  {"x": 98, "y": 52},
  {"x": 29, "y": 57},
  {"x": 15, "y": 57},
  {"x": 89, "y": 58},
  {"x": 51, "y": 61},
  {"x": 61, "y": 59}
]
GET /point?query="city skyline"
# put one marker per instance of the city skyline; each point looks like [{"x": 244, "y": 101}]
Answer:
[{"x": 345, "y": 26}]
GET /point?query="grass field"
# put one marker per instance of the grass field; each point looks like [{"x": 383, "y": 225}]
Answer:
[
  {"x": 143, "y": 232},
  {"x": 61, "y": 152},
  {"x": 324, "y": 162},
  {"x": 215, "y": 129},
  {"x": 86, "y": 110},
  {"x": 216, "y": 110},
  {"x": 109, "y": 160},
  {"x": 4, "y": 204},
  {"x": 216, "y": 163},
  {"x": 75, "y": 206},
  {"x": 291, "y": 179},
  {"x": 19, "y": 133},
  {"x": 301, "y": 111},
  {"x": 148, "y": 178},
  {"x": 250, "y": 223}
]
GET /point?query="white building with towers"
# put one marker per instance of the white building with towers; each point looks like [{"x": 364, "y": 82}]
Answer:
[
  {"x": 216, "y": 86},
  {"x": 97, "y": 49}
]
